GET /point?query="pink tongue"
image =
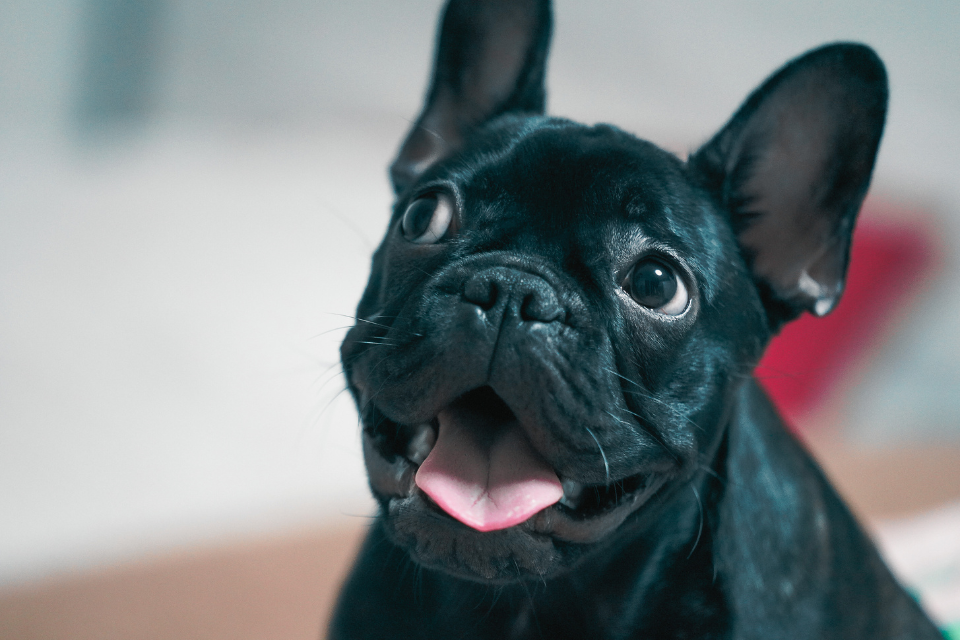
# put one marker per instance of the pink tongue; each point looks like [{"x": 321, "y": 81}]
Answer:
[{"x": 487, "y": 484}]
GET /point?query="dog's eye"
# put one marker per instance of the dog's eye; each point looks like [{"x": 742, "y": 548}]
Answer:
[
  {"x": 427, "y": 219},
  {"x": 654, "y": 285}
]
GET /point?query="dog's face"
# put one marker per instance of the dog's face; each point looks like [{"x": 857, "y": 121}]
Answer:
[
  {"x": 577, "y": 283},
  {"x": 559, "y": 315}
]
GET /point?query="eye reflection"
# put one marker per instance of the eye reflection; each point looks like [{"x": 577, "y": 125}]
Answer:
[{"x": 655, "y": 285}]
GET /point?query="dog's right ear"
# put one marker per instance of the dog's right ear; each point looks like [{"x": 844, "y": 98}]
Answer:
[{"x": 491, "y": 60}]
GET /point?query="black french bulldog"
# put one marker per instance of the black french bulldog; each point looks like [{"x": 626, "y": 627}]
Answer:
[{"x": 553, "y": 358}]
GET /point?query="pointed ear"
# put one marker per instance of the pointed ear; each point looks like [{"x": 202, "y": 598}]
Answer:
[
  {"x": 491, "y": 60},
  {"x": 792, "y": 167}
]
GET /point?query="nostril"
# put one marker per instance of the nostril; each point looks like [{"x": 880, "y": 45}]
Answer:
[
  {"x": 541, "y": 306},
  {"x": 523, "y": 296},
  {"x": 481, "y": 291}
]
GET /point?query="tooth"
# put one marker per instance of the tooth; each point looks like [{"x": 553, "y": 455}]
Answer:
[
  {"x": 421, "y": 443},
  {"x": 572, "y": 491}
]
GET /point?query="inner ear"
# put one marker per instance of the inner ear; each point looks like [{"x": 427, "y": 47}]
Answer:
[
  {"x": 491, "y": 60},
  {"x": 792, "y": 168}
]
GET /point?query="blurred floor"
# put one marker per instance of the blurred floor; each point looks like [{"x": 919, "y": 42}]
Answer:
[{"x": 278, "y": 588}]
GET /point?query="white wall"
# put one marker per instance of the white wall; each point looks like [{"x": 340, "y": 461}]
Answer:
[{"x": 169, "y": 289}]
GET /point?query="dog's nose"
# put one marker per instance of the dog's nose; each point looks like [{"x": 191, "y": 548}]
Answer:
[{"x": 501, "y": 290}]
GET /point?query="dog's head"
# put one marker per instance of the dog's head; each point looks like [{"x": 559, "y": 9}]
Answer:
[{"x": 559, "y": 314}]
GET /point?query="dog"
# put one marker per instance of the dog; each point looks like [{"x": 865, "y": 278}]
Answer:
[{"x": 553, "y": 358}]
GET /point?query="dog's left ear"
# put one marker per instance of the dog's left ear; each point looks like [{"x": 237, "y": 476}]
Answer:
[
  {"x": 792, "y": 168},
  {"x": 491, "y": 59}
]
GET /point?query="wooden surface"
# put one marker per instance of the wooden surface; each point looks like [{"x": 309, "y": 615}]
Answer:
[
  {"x": 885, "y": 483},
  {"x": 280, "y": 589},
  {"x": 284, "y": 588}
]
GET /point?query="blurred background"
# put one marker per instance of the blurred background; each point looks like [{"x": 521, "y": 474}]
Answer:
[{"x": 189, "y": 196}]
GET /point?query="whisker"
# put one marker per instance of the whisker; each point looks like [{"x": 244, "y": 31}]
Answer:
[
  {"x": 653, "y": 434},
  {"x": 700, "y": 530},
  {"x": 323, "y": 333},
  {"x": 706, "y": 469},
  {"x": 376, "y": 324},
  {"x": 315, "y": 418},
  {"x": 643, "y": 394},
  {"x": 432, "y": 132},
  {"x": 328, "y": 380},
  {"x": 335, "y": 367},
  {"x": 330, "y": 403},
  {"x": 328, "y": 370},
  {"x": 606, "y": 465},
  {"x": 350, "y": 224},
  {"x": 361, "y": 516},
  {"x": 373, "y": 396}
]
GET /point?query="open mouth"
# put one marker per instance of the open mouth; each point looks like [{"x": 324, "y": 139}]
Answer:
[{"x": 473, "y": 463}]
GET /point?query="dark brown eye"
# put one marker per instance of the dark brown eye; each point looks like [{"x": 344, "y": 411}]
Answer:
[
  {"x": 655, "y": 285},
  {"x": 427, "y": 218}
]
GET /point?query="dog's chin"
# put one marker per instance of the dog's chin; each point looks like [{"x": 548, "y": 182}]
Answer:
[
  {"x": 549, "y": 542},
  {"x": 437, "y": 541}
]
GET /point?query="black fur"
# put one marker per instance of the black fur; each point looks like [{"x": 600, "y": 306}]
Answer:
[{"x": 704, "y": 518}]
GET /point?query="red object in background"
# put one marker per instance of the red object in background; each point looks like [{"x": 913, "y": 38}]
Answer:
[{"x": 888, "y": 263}]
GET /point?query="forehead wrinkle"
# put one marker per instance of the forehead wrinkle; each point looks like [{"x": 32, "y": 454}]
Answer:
[{"x": 531, "y": 128}]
